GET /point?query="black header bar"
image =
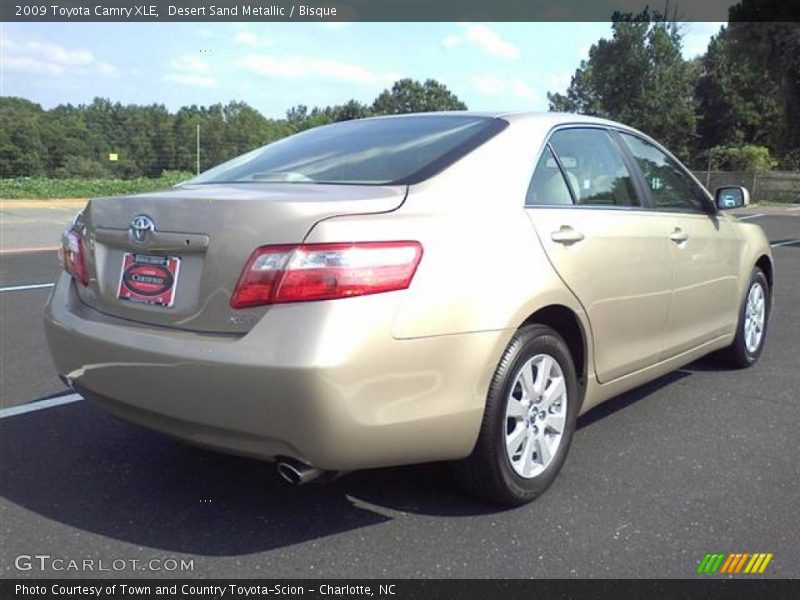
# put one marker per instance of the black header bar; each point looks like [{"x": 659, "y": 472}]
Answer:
[
  {"x": 338, "y": 589},
  {"x": 350, "y": 10}
]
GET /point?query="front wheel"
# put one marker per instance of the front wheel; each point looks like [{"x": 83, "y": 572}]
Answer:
[
  {"x": 530, "y": 415},
  {"x": 751, "y": 330}
]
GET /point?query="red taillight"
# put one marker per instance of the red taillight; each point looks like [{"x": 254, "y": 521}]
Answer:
[
  {"x": 260, "y": 276},
  {"x": 276, "y": 274},
  {"x": 72, "y": 257}
]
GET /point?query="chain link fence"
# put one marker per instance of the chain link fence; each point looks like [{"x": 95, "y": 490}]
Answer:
[{"x": 769, "y": 186}]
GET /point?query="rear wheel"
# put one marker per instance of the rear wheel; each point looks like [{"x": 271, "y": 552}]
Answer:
[
  {"x": 751, "y": 330},
  {"x": 528, "y": 423}
]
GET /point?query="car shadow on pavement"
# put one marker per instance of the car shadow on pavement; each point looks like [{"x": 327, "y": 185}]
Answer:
[
  {"x": 628, "y": 398},
  {"x": 709, "y": 364},
  {"x": 79, "y": 466}
]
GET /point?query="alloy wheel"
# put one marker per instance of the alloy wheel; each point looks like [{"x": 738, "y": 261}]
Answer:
[
  {"x": 536, "y": 414},
  {"x": 755, "y": 312}
]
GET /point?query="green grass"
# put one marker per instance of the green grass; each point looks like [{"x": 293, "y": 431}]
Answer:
[
  {"x": 777, "y": 199},
  {"x": 45, "y": 188}
]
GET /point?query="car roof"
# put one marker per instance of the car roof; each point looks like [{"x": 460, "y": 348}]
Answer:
[
  {"x": 556, "y": 118},
  {"x": 547, "y": 118}
]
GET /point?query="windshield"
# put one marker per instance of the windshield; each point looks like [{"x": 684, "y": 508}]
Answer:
[{"x": 394, "y": 150}]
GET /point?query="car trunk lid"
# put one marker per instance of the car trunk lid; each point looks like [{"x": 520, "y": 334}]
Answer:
[{"x": 201, "y": 237}]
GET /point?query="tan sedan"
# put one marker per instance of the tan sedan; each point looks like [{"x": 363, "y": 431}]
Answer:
[{"x": 439, "y": 287}]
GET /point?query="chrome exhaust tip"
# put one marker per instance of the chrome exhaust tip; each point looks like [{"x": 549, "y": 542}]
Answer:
[{"x": 298, "y": 473}]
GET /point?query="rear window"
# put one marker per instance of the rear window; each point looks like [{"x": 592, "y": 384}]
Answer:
[{"x": 395, "y": 150}]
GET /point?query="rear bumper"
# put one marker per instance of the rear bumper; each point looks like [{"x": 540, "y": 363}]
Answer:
[{"x": 322, "y": 382}]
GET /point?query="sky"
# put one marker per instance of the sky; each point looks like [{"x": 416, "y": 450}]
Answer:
[{"x": 274, "y": 66}]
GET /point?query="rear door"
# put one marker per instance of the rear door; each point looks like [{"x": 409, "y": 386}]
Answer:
[
  {"x": 585, "y": 206},
  {"x": 704, "y": 249}
]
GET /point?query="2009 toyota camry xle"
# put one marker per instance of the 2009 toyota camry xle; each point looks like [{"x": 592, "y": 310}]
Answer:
[{"x": 439, "y": 287}]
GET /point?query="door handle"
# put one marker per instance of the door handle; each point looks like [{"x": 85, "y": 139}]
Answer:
[
  {"x": 566, "y": 235},
  {"x": 678, "y": 236}
]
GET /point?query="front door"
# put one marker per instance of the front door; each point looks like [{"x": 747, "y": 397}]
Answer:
[{"x": 704, "y": 249}]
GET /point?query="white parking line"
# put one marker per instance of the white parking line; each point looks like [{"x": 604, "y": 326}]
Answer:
[
  {"x": 785, "y": 243},
  {"x": 751, "y": 217},
  {"x": 13, "y": 411},
  {"x": 793, "y": 209},
  {"x": 20, "y": 288},
  {"x": 29, "y": 250}
]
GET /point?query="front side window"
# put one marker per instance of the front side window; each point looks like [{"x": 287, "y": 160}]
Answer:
[
  {"x": 391, "y": 150},
  {"x": 594, "y": 167},
  {"x": 670, "y": 186}
]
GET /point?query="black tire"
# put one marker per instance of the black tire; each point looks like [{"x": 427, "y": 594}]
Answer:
[
  {"x": 737, "y": 354},
  {"x": 488, "y": 472}
]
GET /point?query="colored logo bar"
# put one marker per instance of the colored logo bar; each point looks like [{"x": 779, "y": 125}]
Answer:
[{"x": 734, "y": 563}]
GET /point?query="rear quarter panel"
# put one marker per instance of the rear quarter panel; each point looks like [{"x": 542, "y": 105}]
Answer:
[{"x": 483, "y": 268}]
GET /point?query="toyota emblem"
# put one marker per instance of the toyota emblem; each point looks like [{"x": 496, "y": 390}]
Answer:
[{"x": 141, "y": 227}]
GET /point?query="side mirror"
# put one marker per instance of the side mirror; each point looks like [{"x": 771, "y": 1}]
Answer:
[{"x": 731, "y": 196}]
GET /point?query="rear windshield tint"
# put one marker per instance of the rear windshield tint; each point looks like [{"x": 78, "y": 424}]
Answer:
[{"x": 396, "y": 150}]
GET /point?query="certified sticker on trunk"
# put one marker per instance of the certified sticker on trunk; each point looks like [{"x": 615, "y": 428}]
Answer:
[{"x": 149, "y": 279}]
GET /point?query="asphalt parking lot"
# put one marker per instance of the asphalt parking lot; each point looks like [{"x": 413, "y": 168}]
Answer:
[{"x": 702, "y": 460}]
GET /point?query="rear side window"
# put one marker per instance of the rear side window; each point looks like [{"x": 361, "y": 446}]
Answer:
[
  {"x": 594, "y": 167},
  {"x": 547, "y": 184},
  {"x": 392, "y": 150},
  {"x": 670, "y": 186}
]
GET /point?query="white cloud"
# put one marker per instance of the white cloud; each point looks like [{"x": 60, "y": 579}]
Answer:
[
  {"x": 485, "y": 38},
  {"x": 559, "y": 81},
  {"x": 522, "y": 90},
  {"x": 345, "y": 71},
  {"x": 246, "y": 37},
  {"x": 189, "y": 70},
  {"x": 190, "y": 79},
  {"x": 300, "y": 67},
  {"x": 189, "y": 63},
  {"x": 489, "y": 85},
  {"x": 31, "y": 65},
  {"x": 210, "y": 34},
  {"x": 696, "y": 37},
  {"x": 44, "y": 58},
  {"x": 392, "y": 76},
  {"x": 335, "y": 25},
  {"x": 451, "y": 41},
  {"x": 491, "y": 42}
]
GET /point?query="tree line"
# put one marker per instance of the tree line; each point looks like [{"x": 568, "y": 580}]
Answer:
[
  {"x": 737, "y": 107},
  {"x": 76, "y": 141}
]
